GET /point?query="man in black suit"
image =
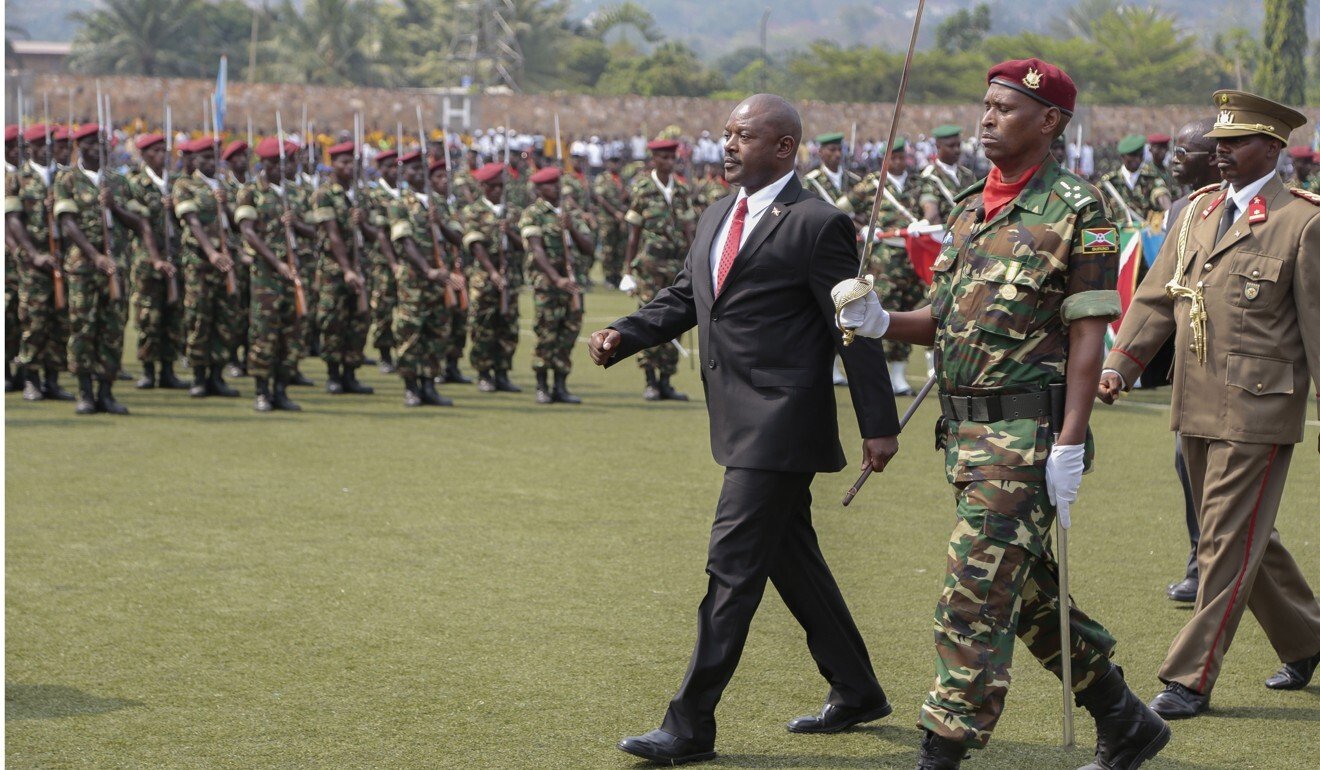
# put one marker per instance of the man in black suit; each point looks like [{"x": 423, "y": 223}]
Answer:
[{"x": 756, "y": 283}]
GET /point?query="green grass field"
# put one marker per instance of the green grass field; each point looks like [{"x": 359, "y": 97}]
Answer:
[{"x": 506, "y": 585}]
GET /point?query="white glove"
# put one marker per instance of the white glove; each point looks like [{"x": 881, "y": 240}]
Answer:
[
  {"x": 865, "y": 316},
  {"x": 627, "y": 284},
  {"x": 1063, "y": 476}
]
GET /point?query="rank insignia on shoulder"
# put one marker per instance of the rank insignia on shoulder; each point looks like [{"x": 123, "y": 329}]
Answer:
[
  {"x": 1099, "y": 240},
  {"x": 1305, "y": 195}
]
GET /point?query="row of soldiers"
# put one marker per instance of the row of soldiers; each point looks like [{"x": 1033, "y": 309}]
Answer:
[{"x": 247, "y": 269}]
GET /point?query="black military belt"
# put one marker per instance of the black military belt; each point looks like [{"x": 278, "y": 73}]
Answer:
[{"x": 993, "y": 408}]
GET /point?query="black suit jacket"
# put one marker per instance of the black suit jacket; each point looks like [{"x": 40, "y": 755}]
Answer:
[{"x": 768, "y": 340}]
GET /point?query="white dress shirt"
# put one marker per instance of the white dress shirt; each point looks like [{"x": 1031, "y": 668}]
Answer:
[{"x": 757, "y": 203}]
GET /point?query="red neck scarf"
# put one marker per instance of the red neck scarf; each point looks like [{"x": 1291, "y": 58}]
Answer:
[{"x": 998, "y": 193}]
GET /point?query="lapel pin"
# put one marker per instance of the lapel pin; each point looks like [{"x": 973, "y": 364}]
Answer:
[{"x": 775, "y": 211}]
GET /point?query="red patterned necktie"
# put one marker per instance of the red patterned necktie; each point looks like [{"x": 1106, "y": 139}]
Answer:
[{"x": 731, "y": 244}]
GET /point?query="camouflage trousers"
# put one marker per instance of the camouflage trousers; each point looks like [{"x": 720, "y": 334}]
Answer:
[
  {"x": 45, "y": 340},
  {"x": 384, "y": 293},
  {"x": 613, "y": 248},
  {"x": 273, "y": 324},
  {"x": 308, "y": 337},
  {"x": 421, "y": 324},
  {"x": 582, "y": 263},
  {"x": 557, "y": 329},
  {"x": 238, "y": 334},
  {"x": 96, "y": 325},
  {"x": 159, "y": 324},
  {"x": 13, "y": 326},
  {"x": 899, "y": 288},
  {"x": 494, "y": 334},
  {"x": 654, "y": 272},
  {"x": 208, "y": 314},
  {"x": 343, "y": 326},
  {"x": 996, "y": 588}
]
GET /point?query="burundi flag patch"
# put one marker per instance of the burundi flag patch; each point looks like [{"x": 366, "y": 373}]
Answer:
[{"x": 1098, "y": 240}]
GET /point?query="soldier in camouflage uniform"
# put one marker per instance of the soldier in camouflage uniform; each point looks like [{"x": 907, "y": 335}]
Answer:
[
  {"x": 577, "y": 192},
  {"x": 495, "y": 245},
  {"x": 831, "y": 180},
  {"x": 210, "y": 292},
  {"x": 427, "y": 286},
  {"x": 1141, "y": 191},
  {"x": 661, "y": 221},
  {"x": 711, "y": 187},
  {"x": 13, "y": 326},
  {"x": 896, "y": 280},
  {"x": 1024, "y": 290},
  {"x": 612, "y": 194},
  {"x": 300, "y": 200},
  {"x": 44, "y": 344},
  {"x": 159, "y": 320},
  {"x": 340, "y": 313},
  {"x": 85, "y": 196},
  {"x": 545, "y": 227},
  {"x": 266, "y": 224},
  {"x": 234, "y": 177},
  {"x": 942, "y": 180},
  {"x": 1158, "y": 165},
  {"x": 384, "y": 289},
  {"x": 466, "y": 189}
]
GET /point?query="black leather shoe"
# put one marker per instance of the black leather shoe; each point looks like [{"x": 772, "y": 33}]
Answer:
[
  {"x": 940, "y": 753},
  {"x": 1184, "y": 590},
  {"x": 1179, "y": 702},
  {"x": 662, "y": 748},
  {"x": 833, "y": 719},
  {"x": 1294, "y": 676}
]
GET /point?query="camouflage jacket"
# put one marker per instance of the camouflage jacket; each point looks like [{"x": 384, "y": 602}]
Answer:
[
  {"x": 147, "y": 201},
  {"x": 610, "y": 187},
  {"x": 330, "y": 203},
  {"x": 935, "y": 182},
  {"x": 380, "y": 198},
  {"x": 464, "y": 187},
  {"x": 1002, "y": 298},
  {"x": 35, "y": 201},
  {"x": 517, "y": 191},
  {"x": 76, "y": 194},
  {"x": 482, "y": 225},
  {"x": 300, "y": 198},
  {"x": 662, "y": 223},
  {"x": 819, "y": 182},
  {"x": 259, "y": 201},
  {"x": 574, "y": 193},
  {"x": 711, "y": 190},
  {"x": 541, "y": 220},
  {"x": 860, "y": 198},
  {"x": 1141, "y": 198},
  {"x": 192, "y": 195},
  {"x": 409, "y": 218}
]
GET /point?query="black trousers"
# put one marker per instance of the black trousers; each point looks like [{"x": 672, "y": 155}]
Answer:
[{"x": 763, "y": 531}]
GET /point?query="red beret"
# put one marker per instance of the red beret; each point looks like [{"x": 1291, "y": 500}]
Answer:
[
  {"x": 147, "y": 140},
  {"x": 1298, "y": 153},
  {"x": 1315, "y": 158},
  {"x": 436, "y": 164},
  {"x": 410, "y": 157},
  {"x": 1040, "y": 80},
  {"x": 89, "y": 129},
  {"x": 341, "y": 149},
  {"x": 11, "y": 133},
  {"x": 235, "y": 147},
  {"x": 269, "y": 148},
  {"x": 35, "y": 133},
  {"x": 662, "y": 145},
  {"x": 200, "y": 144},
  {"x": 59, "y": 133},
  {"x": 547, "y": 174},
  {"x": 1158, "y": 139},
  {"x": 488, "y": 172},
  {"x": 385, "y": 155}
]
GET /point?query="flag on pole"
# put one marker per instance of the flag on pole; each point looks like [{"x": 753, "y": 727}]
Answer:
[
  {"x": 221, "y": 80},
  {"x": 1129, "y": 258}
]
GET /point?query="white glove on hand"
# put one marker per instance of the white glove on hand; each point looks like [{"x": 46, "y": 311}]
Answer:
[
  {"x": 865, "y": 316},
  {"x": 1063, "y": 476},
  {"x": 627, "y": 284}
]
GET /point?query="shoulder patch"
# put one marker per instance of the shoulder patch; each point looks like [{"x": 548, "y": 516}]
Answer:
[
  {"x": 1305, "y": 195},
  {"x": 1207, "y": 189},
  {"x": 1074, "y": 191}
]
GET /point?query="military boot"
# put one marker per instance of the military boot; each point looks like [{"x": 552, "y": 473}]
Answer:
[
  {"x": 199, "y": 389},
  {"x": 560, "y": 392},
  {"x": 281, "y": 398},
  {"x": 386, "y": 361},
  {"x": 52, "y": 389},
  {"x": 485, "y": 382},
  {"x": 412, "y": 392},
  {"x": 543, "y": 394},
  {"x": 262, "y": 402},
  {"x": 939, "y": 753},
  {"x": 86, "y": 401},
  {"x": 217, "y": 386},
  {"x": 31, "y": 385},
  {"x": 105, "y": 398},
  {"x": 351, "y": 384},
  {"x": 432, "y": 397},
  {"x": 667, "y": 391},
  {"x": 652, "y": 390},
  {"x": 454, "y": 375},
  {"x": 168, "y": 380},
  {"x": 300, "y": 380},
  {"x": 334, "y": 383},
  {"x": 1127, "y": 732},
  {"x": 148, "y": 379},
  {"x": 503, "y": 384}
]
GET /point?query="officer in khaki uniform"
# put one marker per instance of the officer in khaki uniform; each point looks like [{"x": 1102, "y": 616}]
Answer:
[{"x": 1236, "y": 283}]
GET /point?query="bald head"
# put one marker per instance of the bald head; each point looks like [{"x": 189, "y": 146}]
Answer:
[
  {"x": 761, "y": 139},
  {"x": 1192, "y": 163},
  {"x": 1193, "y": 135}
]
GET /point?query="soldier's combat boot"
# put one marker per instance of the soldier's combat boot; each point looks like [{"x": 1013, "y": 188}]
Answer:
[
  {"x": 281, "y": 398},
  {"x": 148, "y": 379},
  {"x": 351, "y": 384},
  {"x": 31, "y": 385},
  {"x": 939, "y": 753},
  {"x": 485, "y": 382},
  {"x": 11, "y": 384},
  {"x": 454, "y": 375},
  {"x": 386, "y": 361},
  {"x": 334, "y": 383},
  {"x": 168, "y": 380},
  {"x": 199, "y": 389},
  {"x": 262, "y": 402},
  {"x": 667, "y": 391},
  {"x": 503, "y": 384},
  {"x": 412, "y": 392},
  {"x": 1127, "y": 732},
  {"x": 124, "y": 376},
  {"x": 52, "y": 389},
  {"x": 300, "y": 380},
  {"x": 105, "y": 398},
  {"x": 652, "y": 390},
  {"x": 432, "y": 397},
  {"x": 560, "y": 392},
  {"x": 217, "y": 386},
  {"x": 233, "y": 369},
  {"x": 86, "y": 401},
  {"x": 543, "y": 395}
]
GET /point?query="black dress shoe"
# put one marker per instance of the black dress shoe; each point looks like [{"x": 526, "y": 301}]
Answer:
[
  {"x": 1184, "y": 590},
  {"x": 1294, "y": 676},
  {"x": 1179, "y": 702},
  {"x": 833, "y": 719},
  {"x": 662, "y": 748}
]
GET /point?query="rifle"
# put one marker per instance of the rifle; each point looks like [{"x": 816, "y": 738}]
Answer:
[
  {"x": 172, "y": 288},
  {"x": 290, "y": 242},
  {"x": 52, "y": 227},
  {"x": 362, "y": 303},
  {"x": 231, "y": 286},
  {"x": 571, "y": 270},
  {"x": 107, "y": 216},
  {"x": 436, "y": 247},
  {"x": 458, "y": 253}
]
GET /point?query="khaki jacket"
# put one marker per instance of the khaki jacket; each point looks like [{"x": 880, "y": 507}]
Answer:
[{"x": 1261, "y": 285}]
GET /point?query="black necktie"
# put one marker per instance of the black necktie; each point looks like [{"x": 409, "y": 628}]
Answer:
[{"x": 1227, "y": 220}]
